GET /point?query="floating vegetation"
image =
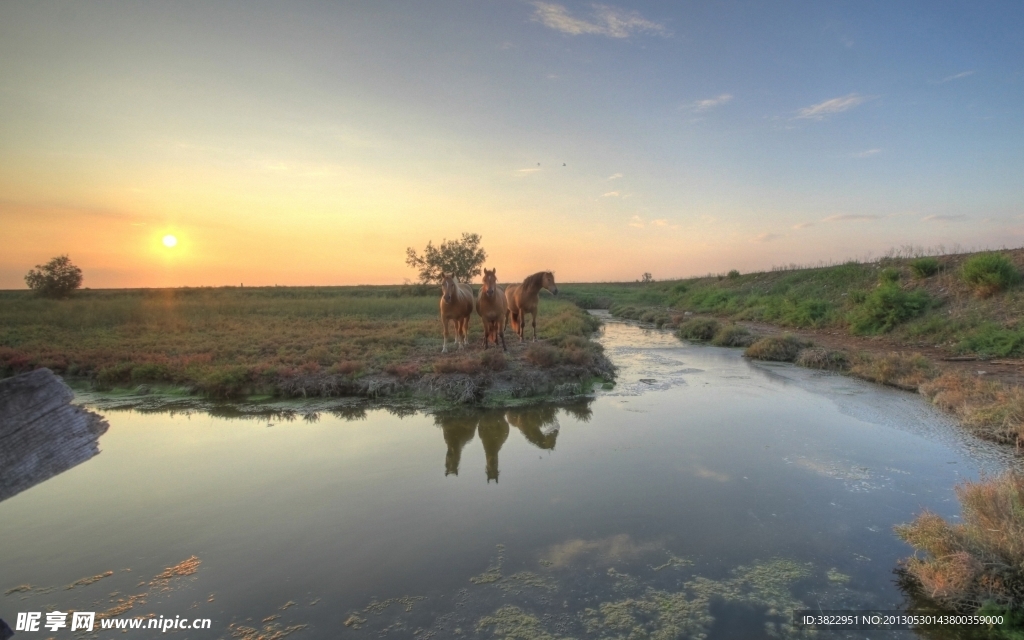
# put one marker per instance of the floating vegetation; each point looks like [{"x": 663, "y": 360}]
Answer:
[
  {"x": 290, "y": 603},
  {"x": 18, "y": 589},
  {"x": 834, "y": 575},
  {"x": 516, "y": 582},
  {"x": 378, "y": 607},
  {"x": 674, "y": 562},
  {"x": 493, "y": 572},
  {"x": 512, "y": 623},
  {"x": 271, "y": 631},
  {"x": 354, "y": 621},
  {"x": 90, "y": 580},
  {"x": 184, "y": 568}
]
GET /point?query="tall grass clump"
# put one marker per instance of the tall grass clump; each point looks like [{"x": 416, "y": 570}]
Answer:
[
  {"x": 776, "y": 348},
  {"x": 990, "y": 339},
  {"x": 889, "y": 275},
  {"x": 733, "y": 336},
  {"x": 989, "y": 273},
  {"x": 902, "y": 370},
  {"x": 699, "y": 329},
  {"x": 886, "y": 307},
  {"x": 822, "y": 358},
  {"x": 979, "y": 562},
  {"x": 924, "y": 267}
]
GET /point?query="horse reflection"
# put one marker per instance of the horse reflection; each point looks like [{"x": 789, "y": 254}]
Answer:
[
  {"x": 538, "y": 424},
  {"x": 531, "y": 421},
  {"x": 458, "y": 429}
]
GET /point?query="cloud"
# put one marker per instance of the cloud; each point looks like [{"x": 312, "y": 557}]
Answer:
[
  {"x": 765, "y": 237},
  {"x": 610, "y": 194},
  {"x": 615, "y": 176},
  {"x": 868, "y": 153},
  {"x": 636, "y": 221},
  {"x": 956, "y": 76},
  {"x": 660, "y": 222},
  {"x": 528, "y": 171},
  {"x": 609, "y": 550},
  {"x": 605, "y": 21},
  {"x": 803, "y": 225},
  {"x": 944, "y": 218},
  {"x": 850, "y": 216},
  {"x": 830, "y": 107},
  {"x": 710, "y": 103}
]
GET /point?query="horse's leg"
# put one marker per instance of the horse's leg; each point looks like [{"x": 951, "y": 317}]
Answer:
[
  {"x": 487, "y": 334},
  {"x": 502, "y": 334},
  {"x": 444, "y": 325},
  {"x": 533, "y": 317}
]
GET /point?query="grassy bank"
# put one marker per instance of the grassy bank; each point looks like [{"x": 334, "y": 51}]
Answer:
[
  {"x": 229, "y": 342},
  {"x": 965, "y": 304}
]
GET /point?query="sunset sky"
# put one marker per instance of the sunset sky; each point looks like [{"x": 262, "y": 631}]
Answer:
[{"x": 312, "y": 142}]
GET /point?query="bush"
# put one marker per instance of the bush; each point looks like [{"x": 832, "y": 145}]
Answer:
[
  {"x": 886, "y": 307},
  {"x": 889, "y": 275},
  {"x": 776, "y": 348},
  {"x": 494, "y": 360},
  {"x": 542, "y": 355},
  {"x": 924, "y": 267},
  {"x": 821, "y": 358},
  {"x": 457, "y": 365},
  {"x": 699, "y": 329},
  {"x": 732, "y": 275},
  {"x": 989, "y": 273},
  {"x": 733, "y": 335},
  {"x": 979, "y": 561},
  {"x": 807, "y": 313},
  {"x": 895, "y": 369},
  {"x": 55, "y": 279},
  {"x": 990, "y": 339}
]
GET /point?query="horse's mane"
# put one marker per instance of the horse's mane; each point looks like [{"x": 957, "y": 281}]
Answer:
[{"x": 535, "y": 280}]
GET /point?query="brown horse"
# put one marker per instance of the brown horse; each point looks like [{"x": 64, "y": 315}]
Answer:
[
  {"x": 523, "y": 299},
  {"x": 493, "y": 309},
  {"x": 457, "y": 306}
]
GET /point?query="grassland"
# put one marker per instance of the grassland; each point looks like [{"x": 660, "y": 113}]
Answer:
[{"x": 279, "y": 341}]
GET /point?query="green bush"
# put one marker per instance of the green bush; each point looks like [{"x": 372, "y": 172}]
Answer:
[
  {"x": 886, "y": 307},
  {"x": 776, "y": 348},
  {"x": 699, "y": 329},
  {"x": 807, "y": 313},
  {"x": 924, "y": 267},
  {"x": 889, "y": 275},
  {"x": 989, "y": 273},
  {"x": 732, "y": 275},
  {"x": 993, "y": 340}
]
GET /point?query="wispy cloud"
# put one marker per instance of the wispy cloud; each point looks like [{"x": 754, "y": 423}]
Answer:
[
  {"x": 830, "y": 107},
  {"x": 610, "y": 194},
  {"x": 659, "y": 222},
  {"x": 615, "y": 176},
  {"x": 765, "y": 237},
  {"x": 636, "y": 221},
  {"x": 944, "y": 218},
  {"x": 527, "y": 171},
  {"x": 604, "y": 21},
  {"x": 867, "y": 153},
  {"x": 803, "y": 225},
  {"x": 709, "y": 103},
  {"x": 956, "y": 76},
  {"x": 842, "y": 217}
]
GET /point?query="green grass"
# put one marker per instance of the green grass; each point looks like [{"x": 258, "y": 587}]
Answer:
[
  {"x": 930, "y": 301},
  {"x": 232, "y": 341}
]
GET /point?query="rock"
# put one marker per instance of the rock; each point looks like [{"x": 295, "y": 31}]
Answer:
[{"x": 41, "y": 433}]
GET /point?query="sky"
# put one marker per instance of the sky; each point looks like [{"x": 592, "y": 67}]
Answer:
[{"x": 311, "y": 143}]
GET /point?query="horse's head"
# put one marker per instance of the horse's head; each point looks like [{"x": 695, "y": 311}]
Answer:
[
  {"x": 547, "y": 281},
  {"x": 490, "y": 282},
  {"x": 447, "y": 287}
]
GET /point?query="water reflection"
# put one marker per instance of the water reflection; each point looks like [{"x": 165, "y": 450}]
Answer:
[{"x": 538, "y": 424}]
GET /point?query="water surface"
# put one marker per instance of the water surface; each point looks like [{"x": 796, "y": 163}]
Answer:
[{"x": 702, "y": 495}]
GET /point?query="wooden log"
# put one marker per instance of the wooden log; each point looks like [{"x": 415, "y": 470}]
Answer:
[{"x": 41, "y": 432}]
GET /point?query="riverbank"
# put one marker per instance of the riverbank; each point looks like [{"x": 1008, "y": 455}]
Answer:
[{"x": 278, "y": 343}]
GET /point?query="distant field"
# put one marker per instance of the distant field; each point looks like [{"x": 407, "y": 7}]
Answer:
[
  {"x": 228, "y": 341},
  {"x": 937, "y": 302}
]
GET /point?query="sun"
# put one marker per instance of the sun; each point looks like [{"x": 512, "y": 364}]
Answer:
[{"x": 170, "y": 241}]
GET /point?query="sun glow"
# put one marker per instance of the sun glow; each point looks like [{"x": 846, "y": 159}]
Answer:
[{"x": 170, "y": 241}]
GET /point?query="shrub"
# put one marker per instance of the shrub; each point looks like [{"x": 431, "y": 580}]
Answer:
[
  {"x": 821, "y": 358},
  {"x": 493, "y": 360},
  {"x": 457, "y": 365},
  {"x": 889, "y": 275},
  {"x": 732, "y": 275},
  {"x": 404, "y": 371},
  {"x": 807, "y": 313},
  {"x": 993, "y": 340},
  {"x": 886, "y": 307},
  {"x": 776, "y": 348},
  {"x": 896, "y": 370},
  {"x": 979, "y": 561},
  {"x": 924, "y": 267},
  {"x": 733, "y": 335},
  {"x": 989, "y": 273},
  {"x": 700, "y": 329},
  {"x": 542, "y": 355},
  {"x": 347, "y": 367},
  {"x": 55, "y": 279}
]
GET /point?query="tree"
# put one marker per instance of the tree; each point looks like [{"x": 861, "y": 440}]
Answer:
[
  {"x": 460, "y": 257},
  {"x": 647, "y": 278},
  {"x": 55, "y": 279}
]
